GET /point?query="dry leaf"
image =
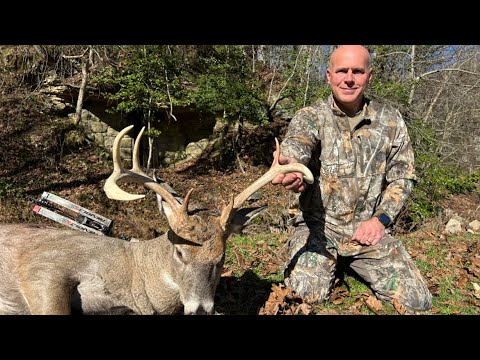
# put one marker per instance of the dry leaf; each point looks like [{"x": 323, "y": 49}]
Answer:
[
  {"x": 402, "y": 310},
  {"x": 338, "y": 294},
  {"x": 434, "y": 289},
  {"x": 240, "y": 259},
  {"x": 337, "y": 301},
  {"x": 304, "y": 308},
  {"x": 475, "y": 260},
  {"x": 462, "y": 281},
  {"x": 270, "y": 308},
  {"x": 227, "y": 273},
  {"x": 271, "y": 268},
  {"x": 275, "y": 300},
  {"x": 374, "y": 304},
  {"x": 355, "y": 308}
]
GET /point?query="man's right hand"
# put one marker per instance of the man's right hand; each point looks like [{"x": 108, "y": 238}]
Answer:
[{"x": 290, "y": 181}]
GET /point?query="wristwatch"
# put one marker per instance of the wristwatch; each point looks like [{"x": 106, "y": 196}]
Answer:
[{"x": 384, "y": 219}]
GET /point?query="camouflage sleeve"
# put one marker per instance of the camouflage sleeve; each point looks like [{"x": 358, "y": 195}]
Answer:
[
  {"x": 400, "y": 172},
  {"x": 302, "y": 135}
]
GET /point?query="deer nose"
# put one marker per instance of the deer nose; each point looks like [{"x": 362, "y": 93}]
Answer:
[
  {"x": 195, "y": 308},
  {"x": 198, "y": 311}
]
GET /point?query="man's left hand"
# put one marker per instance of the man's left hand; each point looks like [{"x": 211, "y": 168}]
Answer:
[{"x": 369, "y": 232}]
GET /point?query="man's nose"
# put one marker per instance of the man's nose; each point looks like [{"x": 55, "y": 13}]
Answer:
[{"x": 349, "y": 76}]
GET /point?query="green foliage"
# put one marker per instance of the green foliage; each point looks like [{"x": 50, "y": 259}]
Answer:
[
  {"x": 302, "y": 74},
  {"x": 152, "y": 132},
  {"x": 149, "y": 79},
  {"x": 74, "y": 139},
  {"x": 6, "y": 188},
  {"x": 462, "y": 183},
  {"x": 421, "y": 207},
  {"x": 316, "y": 92},
  {"x": 391, "y": 79},
  {"x": 436, "y": 179},
  {"x": 393, "y": 90},
  {"x": 227, "y": 85},
  {"x": 256, "y": 250},
  {"x": 103, "y": 153},
  {"x": 323, "y": 91},
  {"x": 211, "y": 78}
]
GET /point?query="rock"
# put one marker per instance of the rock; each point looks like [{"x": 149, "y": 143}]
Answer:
[
  {"x": 454, "y": 226},
  {"x": 474, "y": 226}
]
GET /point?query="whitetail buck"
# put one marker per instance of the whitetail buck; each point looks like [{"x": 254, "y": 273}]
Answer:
[{"x": 45, "y": 270}]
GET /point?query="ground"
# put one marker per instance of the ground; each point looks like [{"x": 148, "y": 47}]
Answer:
[{"x": 42, "y": 152}]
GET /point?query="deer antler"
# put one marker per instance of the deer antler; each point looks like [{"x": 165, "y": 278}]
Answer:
[
  {"x": 276, "y": 169},
  {"x": 177, "y": 214}
]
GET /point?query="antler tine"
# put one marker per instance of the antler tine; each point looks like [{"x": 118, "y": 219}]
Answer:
[
  {"x": 274, "y": 170},
  {"x": 138, "y": 176},
  {"x": 186, "y": 201},
  {"x": 111, "y": 188},
  {"x": 276, "y": 154},
  {"x": 136, "y": 157}
]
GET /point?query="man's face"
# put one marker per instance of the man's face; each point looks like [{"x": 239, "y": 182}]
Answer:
[{"x": 348, "y": 77}]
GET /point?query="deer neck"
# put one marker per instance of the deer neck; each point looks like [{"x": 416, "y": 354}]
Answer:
[{"x": 154, "y": 277}]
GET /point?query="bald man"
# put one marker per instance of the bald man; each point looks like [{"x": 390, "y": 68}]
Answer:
[{"x": 361, "y": 156}]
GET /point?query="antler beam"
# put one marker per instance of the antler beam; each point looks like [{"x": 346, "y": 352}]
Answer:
[
  {"x": 274, "y": 170},
  {"x": 119, "y": 174}
]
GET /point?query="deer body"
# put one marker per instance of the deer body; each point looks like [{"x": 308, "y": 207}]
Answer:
[
  {"x": 42, "y": 266},
  {"x": 45, "y": 270}
]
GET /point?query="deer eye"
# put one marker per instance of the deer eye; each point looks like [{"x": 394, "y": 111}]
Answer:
[{"x": 179, "y": 255}]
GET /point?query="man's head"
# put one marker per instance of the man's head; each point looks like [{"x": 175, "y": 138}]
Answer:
[{"x": 348, "y": 74}]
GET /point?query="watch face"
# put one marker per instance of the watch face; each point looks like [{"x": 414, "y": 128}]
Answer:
[{"x": 384, "y": 219}]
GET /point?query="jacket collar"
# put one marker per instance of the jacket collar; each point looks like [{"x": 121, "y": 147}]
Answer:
[{"x": 366, "y": 110}]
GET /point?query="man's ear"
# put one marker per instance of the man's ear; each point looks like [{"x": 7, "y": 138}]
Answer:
[
  {"x": 370, "y": 76},
  {"x": 327, "y": 75}
]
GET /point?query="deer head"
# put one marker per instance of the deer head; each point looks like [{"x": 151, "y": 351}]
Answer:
[{"x": 198, "y": 242}]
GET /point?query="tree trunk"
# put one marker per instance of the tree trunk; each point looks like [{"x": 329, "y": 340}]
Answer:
[
  {"x": 81, "y": 93},
  {"x": 412, "y": 75}
]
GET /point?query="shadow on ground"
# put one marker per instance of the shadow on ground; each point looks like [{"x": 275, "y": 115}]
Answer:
[{"x": 245, "y": 295}]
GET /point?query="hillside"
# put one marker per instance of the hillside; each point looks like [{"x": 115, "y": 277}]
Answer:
[{"x": 42, "y": 152}]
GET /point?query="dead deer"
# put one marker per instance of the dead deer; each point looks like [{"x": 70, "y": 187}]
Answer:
[{"x": 46, "y": 270}]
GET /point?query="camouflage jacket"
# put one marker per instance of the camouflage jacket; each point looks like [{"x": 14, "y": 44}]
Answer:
[{"x": 358, "y": 173}]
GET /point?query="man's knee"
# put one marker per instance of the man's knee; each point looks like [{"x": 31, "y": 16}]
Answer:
[
  {"x": 309, "y": 268},
  {"x": 311, "y": 275},
  {"x": 393, "y": 275},
  {"x": 310, "y": 285}
]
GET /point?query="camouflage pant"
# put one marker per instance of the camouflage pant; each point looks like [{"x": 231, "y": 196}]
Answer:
[{"x": 387, "y": 267}]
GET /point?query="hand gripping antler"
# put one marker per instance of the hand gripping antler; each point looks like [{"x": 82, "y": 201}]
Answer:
[
  {"x": 177, "y": 215},
  {"x": 276, "y": 169}
]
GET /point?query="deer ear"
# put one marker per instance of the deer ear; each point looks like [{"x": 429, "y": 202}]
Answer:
[
  {"x": 244, "y": 216},
  {"x": 163, "y": 207}
]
